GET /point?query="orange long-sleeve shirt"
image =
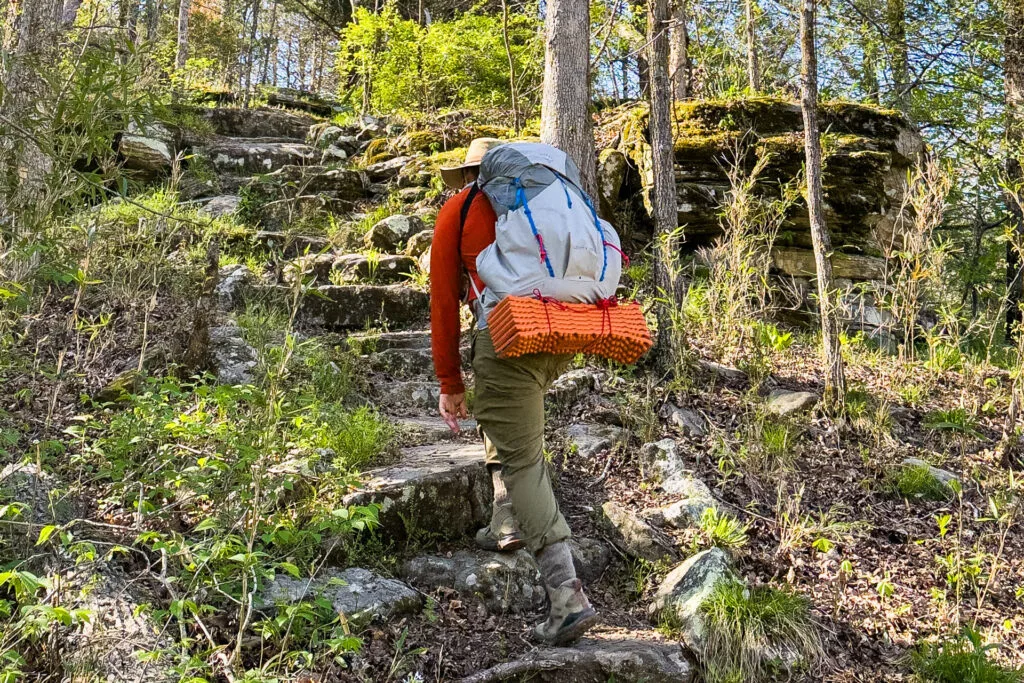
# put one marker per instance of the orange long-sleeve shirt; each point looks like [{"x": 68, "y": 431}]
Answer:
[{"x": 448, "y": 261}]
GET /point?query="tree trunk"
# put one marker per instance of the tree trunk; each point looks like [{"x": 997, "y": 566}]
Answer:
[
  {"x": 35, "y": 39},
  {"x": 663, "y": 191},
  {"x": 896, "y": 21},
  {"x": 565, "y": 114},
  {"x": 251, "y": 52},
  {"x": 181, "y": 57},
  {"x": 152, "y": 18},
  {"x": 1013, "y": 70},
  {"x": 682, "y": 73},
  {"x": 271, "y": 41},
  {"x": 511, "y": 67},
  {"x": 753, "y": 65},
  {"x": 869, "y": 68},
  {"x": 835, "y": 381}
]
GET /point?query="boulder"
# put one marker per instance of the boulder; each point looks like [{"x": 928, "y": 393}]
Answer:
[
  {"x": 286, "y": 243},
  {"x": 372, "y": 342},
  {"x": 588, "y": 440},
  {"x": 596, "y": 659},
  {"x": 688, "y": 422},
  {"x": 326, "y": 134},
  {"x": 261, "y": 122},
  {"x": 357, "y": 306},
  {"x": 386, "y": 170},
  {"x": 680, "y": 595},
  {"x": 296, "y": 181},
  {"x": 782, "y": 402},
  {"x": 689, "y": 511},
  {"x": 148, "y": 150},
  {"x": 359, "y": 594},
  {"x": 233, "y": 359},
  {"x": 221, "y": 206},
  {"x": 636, "y": 537},
  {"x": 574, "y": 385},
  {"x": 120, "y": 641},
  {"x": 418, "y": 244},
  {"x": 503, "y": 582},
  {"x": 444, "y": 489},
  {"x": 422, "y": 431},
  {"x": 661, "y": 463},
  {"x": 231, "y": 285},
  {"x": 391, "y": 233}
]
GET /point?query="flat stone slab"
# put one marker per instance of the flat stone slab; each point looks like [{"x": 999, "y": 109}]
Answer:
[
  {"x": 359, "y": 594},
  {"x": 782, "y": 402},
  {"x": 443, "y": 489},
  {"x": 503, "y": 582},
  {"x": 359, "y": 306},
  {"x": 373, "y": 342},
  {"x": 260, "y": 155},
  {"x": 426, "y": 430},
  {"x": 597, "y": 659},
  {"x": 636, "y": 537}
]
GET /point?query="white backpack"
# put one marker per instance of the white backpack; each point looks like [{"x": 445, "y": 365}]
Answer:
[{"x": 549, "y": 239}]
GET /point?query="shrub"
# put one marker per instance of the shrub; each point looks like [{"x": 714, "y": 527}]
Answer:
[
  {"x": 963, "y": 659},
  {"x": 755, "y": 633},
  {"x": 723, "y": 530}
]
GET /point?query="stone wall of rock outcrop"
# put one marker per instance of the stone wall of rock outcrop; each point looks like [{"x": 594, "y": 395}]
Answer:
[{"x": 868, "y": 152}]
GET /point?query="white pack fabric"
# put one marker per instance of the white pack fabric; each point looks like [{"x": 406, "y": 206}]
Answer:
[{"x": 548, "y": 238}]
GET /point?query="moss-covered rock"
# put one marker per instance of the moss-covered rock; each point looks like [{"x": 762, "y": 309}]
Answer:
[{"x": 867, "y": 154}]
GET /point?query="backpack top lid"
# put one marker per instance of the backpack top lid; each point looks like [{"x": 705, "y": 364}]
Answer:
[{"x": 529, "y": 166}]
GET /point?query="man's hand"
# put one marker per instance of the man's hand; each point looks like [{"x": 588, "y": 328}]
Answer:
[{"x": 453, "y": 408}]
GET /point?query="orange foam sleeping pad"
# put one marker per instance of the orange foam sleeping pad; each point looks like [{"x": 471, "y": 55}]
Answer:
[{"x": 521, "y": 325}]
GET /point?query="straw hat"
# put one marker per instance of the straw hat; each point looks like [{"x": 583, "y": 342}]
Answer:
[{"x": 452, "y": 175}]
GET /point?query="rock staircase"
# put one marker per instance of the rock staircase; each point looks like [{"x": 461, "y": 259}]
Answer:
[{"x": 438, "y": 485}]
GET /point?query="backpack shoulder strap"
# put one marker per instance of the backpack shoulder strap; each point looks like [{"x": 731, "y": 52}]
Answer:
[{"x": 473, "y": 192}]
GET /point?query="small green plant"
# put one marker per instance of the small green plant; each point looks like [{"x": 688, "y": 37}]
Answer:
[
  {"x": 916, "y": 482},
  {"x": 913, "y": 394},
  {"x": 723, "y": 530},
  {"x": 943, "y": 357},
  {"x": 964, "y": 659},
  {"x": 769, "y": 336},
  {"x": 955, "y": 420},
  {"x": 756, "y": 634}
]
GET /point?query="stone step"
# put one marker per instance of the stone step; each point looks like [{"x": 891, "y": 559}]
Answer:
[
  {"x": 422, "y": 430},
  {"x": 343, "y": 307},
  {"x": 256, "y": 123},
  {"x": 263, "y": 155},
  {"x": 385, "y": 269},
  {"x": 601, "y": 657},
  {"x": 442, "y": 489},
  {"x": 375, "y": 342}
]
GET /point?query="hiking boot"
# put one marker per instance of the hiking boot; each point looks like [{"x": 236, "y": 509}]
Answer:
[
  {"x": 570, "y": 617},
  {"x": 506, "y": 543}
]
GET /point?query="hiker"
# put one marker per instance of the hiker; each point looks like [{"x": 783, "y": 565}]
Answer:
[{"x": 508, "y": 403}]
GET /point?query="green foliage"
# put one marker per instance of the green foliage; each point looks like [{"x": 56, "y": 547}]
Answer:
[
  {"x": 955, "y": 420},
  {"x": 752, "y": 632},
  {"x": 916, "y": 482},
  {"x": 964, "y": 659},
  {"x": 770, "y": 337},
  {"x": 723, "y": 530},
  {"x": 457, "y": 63}
]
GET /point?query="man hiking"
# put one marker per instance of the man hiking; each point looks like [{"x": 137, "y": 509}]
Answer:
[{"x": 508, "y": 403}]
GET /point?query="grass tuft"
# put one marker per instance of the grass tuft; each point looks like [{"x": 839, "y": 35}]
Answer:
[
  {"x": 916, "y": 482},
  {"x": 754, "y": 634},
  {"x": 963, "y": 659}
]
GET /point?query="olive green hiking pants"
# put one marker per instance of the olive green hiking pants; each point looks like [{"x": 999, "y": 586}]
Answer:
[{"x": 508, "y": 404}]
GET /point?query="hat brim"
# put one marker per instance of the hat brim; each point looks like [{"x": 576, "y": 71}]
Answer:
[{"x": 453, "y": 177}]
